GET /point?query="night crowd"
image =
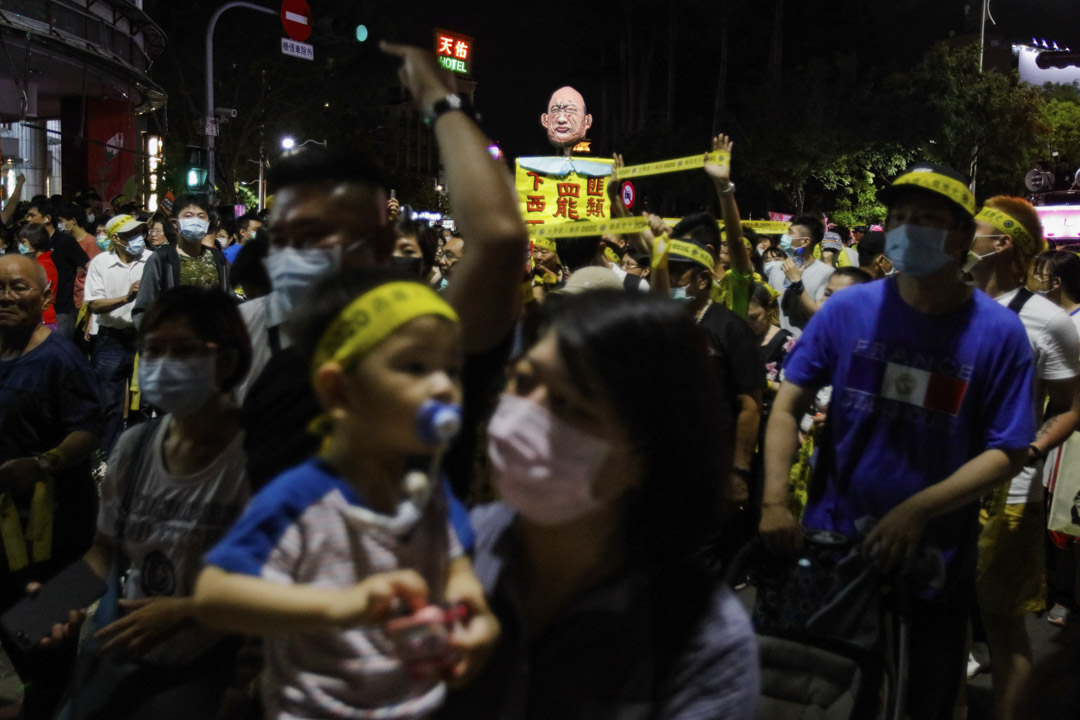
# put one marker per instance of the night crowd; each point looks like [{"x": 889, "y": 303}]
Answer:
[{"x": 329, "y": 461}]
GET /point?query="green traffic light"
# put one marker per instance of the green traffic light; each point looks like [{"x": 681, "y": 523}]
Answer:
[{"x": 361, "y": 33}]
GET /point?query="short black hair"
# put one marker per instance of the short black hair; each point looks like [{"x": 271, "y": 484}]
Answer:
[
  {"x": 1063, "y": 265},
  {"x": 248, "y": 269},
  {"x": 318, "y": 166},
  {"x": 578, "y": 252},
  {"x": 214, "y": 317},
  {"x": 193, "y": 199},
  {"x": 702, "y": 228},
  {"x": 813, "y": 223},
  {"x": 857, "y": 275},
  {"x": 74, "y": 212},
  {"x": 426, "y": 239},
  {"x": 44, "y": 208},
  {"x": 761, "y": 295}
]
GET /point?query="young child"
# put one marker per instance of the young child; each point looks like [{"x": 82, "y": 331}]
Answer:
[{"x": 334, "y": 548}]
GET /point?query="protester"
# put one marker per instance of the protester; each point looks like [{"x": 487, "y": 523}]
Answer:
[
  {"x": 70, "y": 262},
  {"x": 414, "y": 249},
  {"x": 33, "y": 240},
  {"x": 50, "y": 423},
  {"x": 319, "y": 558},
  {"x": 763, "y": 317},
  {"x": 590, "y": 561},
  {"x": 802, "y": 277},
  {"x": 12, "y": 203},
  {"x": 1011, "y": 580},
  {"x": 112, "y": 284},
  {"x": 1056, "y": 276},
  {"x": 73, "y": 222},
  {"x": 247, "y": 228},
  {"x": 918, "y": 361},
  {"x": 330, "y": 210},
  {"x": 159, "y": 230},
  {"x": 172, "y": 489},
  {"x": 872, "y": 255},
  {"x": 189, "y": 262}
]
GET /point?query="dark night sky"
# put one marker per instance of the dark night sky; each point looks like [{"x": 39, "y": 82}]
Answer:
[{"x": 523, "y": 52}]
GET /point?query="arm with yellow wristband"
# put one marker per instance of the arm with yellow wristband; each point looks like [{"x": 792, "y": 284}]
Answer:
[{"x": 20, "y": 475}]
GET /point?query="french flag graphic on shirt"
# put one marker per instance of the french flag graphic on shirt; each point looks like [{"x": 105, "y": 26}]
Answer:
[{"x": 893, "y": 381}]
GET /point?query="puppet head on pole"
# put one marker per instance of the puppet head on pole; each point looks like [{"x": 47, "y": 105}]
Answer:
[{"x": 566, "y": 120}]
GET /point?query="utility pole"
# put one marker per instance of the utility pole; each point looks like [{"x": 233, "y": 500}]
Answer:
[
  {"x": 210, "y": 121},
  {"x": 982, "y": 50}
]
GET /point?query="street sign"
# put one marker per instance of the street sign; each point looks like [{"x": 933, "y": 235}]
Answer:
[
  {"x": 296, "y": 19},
  {"x": 210, "y": 127},
  {"x": 297, "y": 49},
  {"x": 628, "y": 194}
]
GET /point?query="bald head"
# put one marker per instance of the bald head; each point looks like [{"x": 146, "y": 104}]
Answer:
[
  {"x": 25, "y": 267},
  {"x": 566, "y": 120}
]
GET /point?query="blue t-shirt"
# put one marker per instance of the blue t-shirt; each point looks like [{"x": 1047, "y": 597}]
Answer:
[
  {"x": 915, "y": 396},
  {"x": 231, "y": 252}
]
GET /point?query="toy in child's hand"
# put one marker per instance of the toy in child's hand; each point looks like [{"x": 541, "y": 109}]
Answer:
[{"x": 422, "y": 639}]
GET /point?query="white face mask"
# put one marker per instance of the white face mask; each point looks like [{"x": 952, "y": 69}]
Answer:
[
  {"x": 193, "y": 228},
  {"x": 293, "y": 271},
  {"x": 542, "y": 466},
  {"x": 974, "y": 259},
  {"x": 178, "y": 386}
]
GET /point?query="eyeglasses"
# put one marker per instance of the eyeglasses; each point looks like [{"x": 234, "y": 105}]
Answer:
[
  {"x": 157, "y": 231},
  {"x": 18, "y": 289}
]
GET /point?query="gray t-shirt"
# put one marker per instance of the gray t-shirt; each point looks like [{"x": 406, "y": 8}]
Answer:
[{"x": 173, "y": 521}]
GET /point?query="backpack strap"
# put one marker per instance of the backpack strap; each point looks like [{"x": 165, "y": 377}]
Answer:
[{"x": 1018, "y": 302}]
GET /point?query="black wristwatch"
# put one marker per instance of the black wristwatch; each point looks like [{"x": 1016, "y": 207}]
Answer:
[
  {"x": 1037, "y": 453},
  {"x": 451, "y": 102},
  {"x": 796, "y": 287}
]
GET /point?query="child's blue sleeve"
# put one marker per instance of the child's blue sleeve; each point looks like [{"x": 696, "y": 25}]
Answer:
[{"x": 459, "y": 518}]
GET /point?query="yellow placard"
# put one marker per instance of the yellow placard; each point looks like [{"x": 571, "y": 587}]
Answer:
[
  {"x": 693, "y": 162},
  {"x": 547, "y": 199}
]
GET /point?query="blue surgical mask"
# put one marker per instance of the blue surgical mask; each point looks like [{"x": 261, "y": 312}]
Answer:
[
  {"x": 678, "y": 294},
  {"x": 136, "y": 245},
  {"x": 293, "y": 271},
  {"x": 192, "y": 229},
  {"x": 178, "y": 386},
  {"x": 785, "y": 243},
  {"x": 103, "y": 241},
  {"x": 916, "y": 250},
  {"x": 24, "y": 248}
]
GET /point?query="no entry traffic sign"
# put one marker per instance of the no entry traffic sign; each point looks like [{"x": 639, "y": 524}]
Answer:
[
  {"x": 628, "y": 194},
  {"x": 296, "y": 19}
]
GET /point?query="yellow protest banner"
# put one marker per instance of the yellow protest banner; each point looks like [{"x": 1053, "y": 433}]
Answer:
[
  {"x": 768, "y": 227},
  {"x": 667, "y": 166},
  {"x": 559, "y": 190},
  {"x": 619, "y": 226}
]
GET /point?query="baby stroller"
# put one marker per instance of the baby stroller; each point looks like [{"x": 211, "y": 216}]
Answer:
[{"x": 833, "y": 634}]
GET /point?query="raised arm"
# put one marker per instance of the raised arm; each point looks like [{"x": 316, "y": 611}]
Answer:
[
  {"x": 485, "y": 289},
  {"x": 13, "y": 200},
  {"x": 738, "y": 255}
]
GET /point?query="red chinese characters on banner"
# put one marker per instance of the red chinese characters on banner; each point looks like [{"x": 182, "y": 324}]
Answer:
[
  {"x": 596, "y": 186},
  {"x": 566, "y": 204}
]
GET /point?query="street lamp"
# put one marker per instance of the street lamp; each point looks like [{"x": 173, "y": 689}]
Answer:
[{"x": 289, "y": 143}]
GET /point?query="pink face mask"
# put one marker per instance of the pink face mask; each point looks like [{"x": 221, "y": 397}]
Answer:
[{"x": 543, "y": 467}]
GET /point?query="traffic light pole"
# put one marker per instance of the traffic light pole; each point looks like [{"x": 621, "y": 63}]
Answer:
[{"x": 210, "y": 121}]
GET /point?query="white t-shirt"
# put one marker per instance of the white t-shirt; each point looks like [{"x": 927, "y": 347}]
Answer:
[
  {"x": 173, "y": 521},
  {"x": 1056, "y": 345},
  {"x": 108, "y": 276},
  {"x": 815, "y": 277}
]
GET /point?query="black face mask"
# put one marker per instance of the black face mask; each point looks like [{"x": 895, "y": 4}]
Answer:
[{"x": 410, "y": 266}]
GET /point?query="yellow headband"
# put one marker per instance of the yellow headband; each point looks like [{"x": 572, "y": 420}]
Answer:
[
  {"x": 373, "y": 317},
  {"x": 689, "y": 251},
  {"x": 951, "y": 188},
  {"x": 1008, "y": 225},
  {"x": 543, "y": 243}
]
